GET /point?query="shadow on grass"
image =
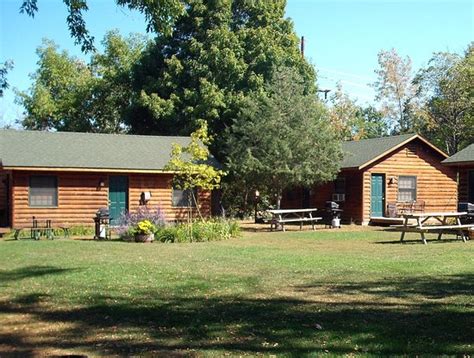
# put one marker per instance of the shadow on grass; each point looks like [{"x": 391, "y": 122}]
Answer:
[
  {"x": 181, "y": 325},
  {"x": 30, "y": 272}
]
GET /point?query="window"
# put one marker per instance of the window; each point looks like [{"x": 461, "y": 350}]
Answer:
[
  {"x": 340, "y": 185},
  {"x": 470, "y": 187},
  {"x": 43, "y": 191},
  {"x": 183, "y": 198},
  {"x": 406, "y": 188}
]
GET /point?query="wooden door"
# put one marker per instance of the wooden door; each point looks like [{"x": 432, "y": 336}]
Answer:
[
  {"x": 118, "y": 197},
  {"x": 377, "y": 195}
]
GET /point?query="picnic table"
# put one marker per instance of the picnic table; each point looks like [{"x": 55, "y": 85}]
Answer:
[
  {"x": 37, "y": 231},
  {"x": 441, "y": 226},
  {"x": 282, "y": 216}
]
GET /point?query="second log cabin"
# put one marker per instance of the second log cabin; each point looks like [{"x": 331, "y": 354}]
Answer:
[{"x": 380, "y": 177}]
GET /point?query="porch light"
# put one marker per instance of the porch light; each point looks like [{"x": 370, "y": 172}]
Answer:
[{"x": 101, "y": 183}]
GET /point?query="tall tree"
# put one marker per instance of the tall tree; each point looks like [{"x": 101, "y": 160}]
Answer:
[
  {"x": 160, "y": 16},
  {"x": 352, "y": 121},
  {"x": 394, "y": 88},
  {"x": 219, "y": 53},
  {"x": 281, "y": 139},
  {"x": 446, "y": 91},
  {"x": 70, "y": 95}
]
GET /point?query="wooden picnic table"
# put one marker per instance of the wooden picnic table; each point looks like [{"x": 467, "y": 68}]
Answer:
[
  {"x": 282, "y": 216},
  {"x": 442, "y": 226}
]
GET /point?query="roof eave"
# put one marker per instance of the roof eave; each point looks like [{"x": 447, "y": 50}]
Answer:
[{"x": 91, "y": 170}]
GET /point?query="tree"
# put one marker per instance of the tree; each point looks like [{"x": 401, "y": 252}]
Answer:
[
  {"x": 160, "y": 16},
  {"x": 281, "y": 139},
  {"x": 191, "y": 164},
  {"x": 5, "y": 67},
  {"x": 446, "y": 92},
  {"x": 70, "y": 95},
  {"x": 352, "y": 121},
  {"x": 219, "y": 53},
  {"x": 394, "y": 88}
]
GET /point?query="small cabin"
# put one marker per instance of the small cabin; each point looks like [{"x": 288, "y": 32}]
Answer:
[
  {"x": 381, "y": 178},
  {"x": 67, "y": 177},
  {"x": 463, "y": 162}
]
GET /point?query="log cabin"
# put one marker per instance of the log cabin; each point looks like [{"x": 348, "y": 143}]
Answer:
[
  {"x": 66, "y": 177},
  {"x": 382, "y": 177},
  {"x": 463, "y": 162}
]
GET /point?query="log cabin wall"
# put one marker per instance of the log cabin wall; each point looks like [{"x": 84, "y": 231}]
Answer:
[
  {"x": 161, "y": 190},
  {"x": 320, "y": 194},
  {"x": 436, "y": 183},
  {"x": 80, "y": 195}
]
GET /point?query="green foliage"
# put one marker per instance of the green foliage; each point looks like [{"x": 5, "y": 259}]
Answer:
[
  {"x": 160, "y": 16},
  {"x": 219, "y": 53},
  {"x": 281, "y": 139},
  {"x": 199, "y": 231},
  {"x": 352, "y": 121},
  {"x": 5, "y": 67},
  {"x": 70, "y": 95},
  {"x": 447, "y": 99},
  {"x": 191, "y": 163}
]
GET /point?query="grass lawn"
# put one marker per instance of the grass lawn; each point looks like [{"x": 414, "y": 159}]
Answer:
[{"x": 286, "y": 294}]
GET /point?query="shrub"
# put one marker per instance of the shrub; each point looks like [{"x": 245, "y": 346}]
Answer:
[
  {"x": 129, "y": 221},
  {"x": 199, "y": 231}
]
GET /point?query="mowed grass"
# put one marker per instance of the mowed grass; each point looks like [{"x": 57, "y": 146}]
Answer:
[{"x": 323, "y": 293}]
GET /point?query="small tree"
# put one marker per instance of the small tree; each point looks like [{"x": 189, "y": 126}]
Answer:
[{"x": 192, "y": 165}]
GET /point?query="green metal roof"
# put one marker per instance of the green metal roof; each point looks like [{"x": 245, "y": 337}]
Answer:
[
  {"x": 361, "y": 152},
  {"x": 464, "y": 156},
  {"x": 85, "y": 150}
]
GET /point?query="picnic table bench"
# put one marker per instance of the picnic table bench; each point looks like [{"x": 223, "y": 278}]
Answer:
[
  {"x": 282, "y": 216},
  {"x": 442, "y": 226}
]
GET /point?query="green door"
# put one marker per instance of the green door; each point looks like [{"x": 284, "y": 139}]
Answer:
[
  {"x": 118, "y": 197},
  {"x": 377, "y": 195}
]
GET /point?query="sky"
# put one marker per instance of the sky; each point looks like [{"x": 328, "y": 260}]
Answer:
[{"x": 342, "y": 37}]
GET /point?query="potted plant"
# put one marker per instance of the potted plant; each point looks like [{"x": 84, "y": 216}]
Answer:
[{"x": 145, "y": 231}]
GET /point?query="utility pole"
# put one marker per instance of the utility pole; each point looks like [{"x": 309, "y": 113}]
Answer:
[
  {"x": 302, "y": 46},
  {"x": 325, "y": 91}
]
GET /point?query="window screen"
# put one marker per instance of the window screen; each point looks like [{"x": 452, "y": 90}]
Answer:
[
  {"x": 43, "y": 191},
  {"x": 406, "y": 188},
  {"x": 183, "y": 198}
]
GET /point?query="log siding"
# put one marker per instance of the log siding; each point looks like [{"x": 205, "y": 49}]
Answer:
[
  {"x": 435, "y": 183},
  {"x": 80, "y": 195}
]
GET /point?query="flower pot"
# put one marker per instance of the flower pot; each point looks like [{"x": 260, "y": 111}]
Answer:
[{"x": 144, "y": 237}]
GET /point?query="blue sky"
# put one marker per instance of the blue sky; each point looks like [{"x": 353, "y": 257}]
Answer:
[{"x": 342, "y": 37}]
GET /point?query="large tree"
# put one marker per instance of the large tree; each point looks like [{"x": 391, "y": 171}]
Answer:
[
  {"x": 281, "y": 139},
  {"x": 446, "y": 91},
  {"x": 219, "y": 52},
  {"x": 394, "y": 88},
  {"x": 69, "y": 95}
]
